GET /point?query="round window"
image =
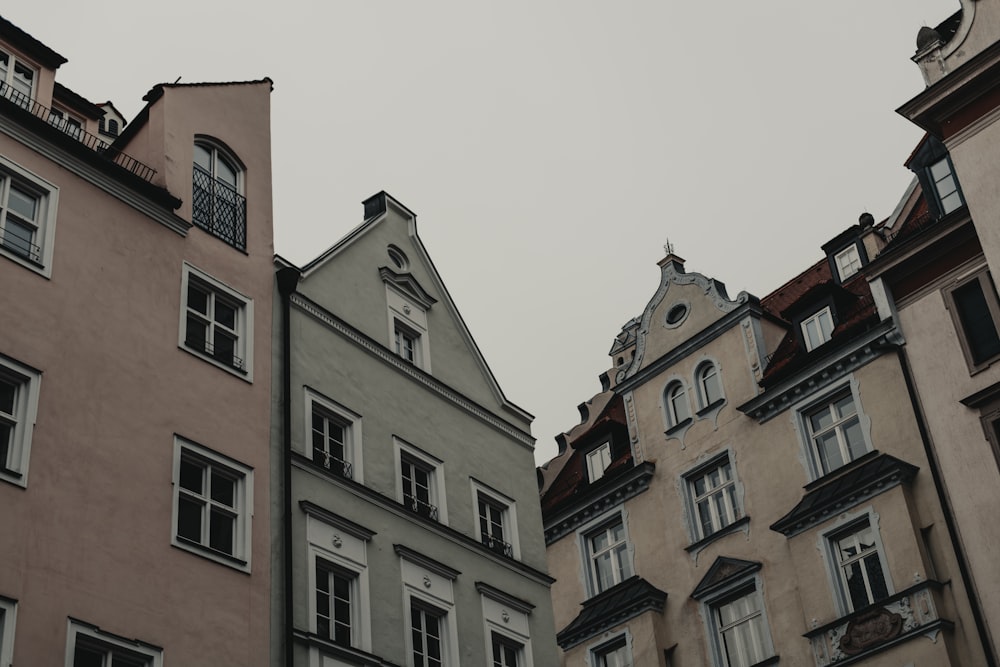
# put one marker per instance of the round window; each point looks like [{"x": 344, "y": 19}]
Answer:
[
  {"x": 676, "y": 314},
  {"x": 398, "y": 257}
]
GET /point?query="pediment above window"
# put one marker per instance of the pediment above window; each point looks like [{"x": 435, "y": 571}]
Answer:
[
  {"x": 408, "y": 286},
  {"x": 723, "y": 572},
  {"x": 630, "y": 598}
]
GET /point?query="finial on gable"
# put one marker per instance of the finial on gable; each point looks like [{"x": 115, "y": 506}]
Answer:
[{"x": 671, "y": 259}]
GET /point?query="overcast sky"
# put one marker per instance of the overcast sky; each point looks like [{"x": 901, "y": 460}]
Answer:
[{"x": 549, "y": 148}]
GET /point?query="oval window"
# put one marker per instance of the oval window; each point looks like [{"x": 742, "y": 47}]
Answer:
[
  {"x": 398, "y": 257},
  {"x": 676, "y": 314}
]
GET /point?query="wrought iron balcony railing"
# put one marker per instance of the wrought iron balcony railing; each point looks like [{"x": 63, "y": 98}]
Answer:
[
  {"x": 21, "y": 246},
  {"x": 89, "y": 140},
  {"x": 498, "y": 546},
  {"x": 420, "y": 507},
  {"x": 219, "y": 209},
  {"x": 860, "y": 634},
  {"x": 222, "y": 356},
  {"x": 333, "y": 464}
]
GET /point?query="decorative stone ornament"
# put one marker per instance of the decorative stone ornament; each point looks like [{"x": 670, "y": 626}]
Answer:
[
  {"x": 337, "y": 541},
  {"x": 427, "y": 581},
  {"x": 505, "y": 616}
]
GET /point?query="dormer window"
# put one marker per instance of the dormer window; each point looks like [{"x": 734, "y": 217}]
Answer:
[
  {"x": 65, "y": 122},
  {"x": 598, "y": 461},
  {"x": 817, "y": 329},
  {"x": 848, "y": 262},
  {"x": 217, "y": 205},
  {"x": 17, "y": 80},
  {"x": 945, "y": 185}
]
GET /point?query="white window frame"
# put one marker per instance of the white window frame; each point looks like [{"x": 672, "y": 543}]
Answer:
[
  {"x": 13, "y": 61},
  {"x": 219, "y": 153},
  {"x": 739, "y": 590},
  {"x": 349, "y": 420},
  {"x": 806, "y": 409},
  {"x": 434, "y": 590},
  {"x": 8, "y": 623},
  {"x": 435, "y": 468},
  {"x": 848, "y": 262},
  {"x": 243, "y": 501},
  {"x": 508, "y": 514},
  {"x": 244, "y": 321},
  {"x": 349, "y": 553},
  {"x": 503, "y": 641},
  {"x": 701, "y": 376},
  {"x": 670, "y": 397},
  {"x": 851, "y": 524},
  {"x": 953, "y": 197},
  {"x": 732, "y": 497},
  {"x": 27, "y": 382},
  {"x": 819, "y": 318},
  {"x": 505, "y": 619},
  {"x": 624, "y": 556},
  {"x": 99, "y": 639},
  {"x": 45, "y": 218},
  {"x": 597, "y": 655},
  {"x": 598, "y": 461},
  {"x": 406, "y": 316}
]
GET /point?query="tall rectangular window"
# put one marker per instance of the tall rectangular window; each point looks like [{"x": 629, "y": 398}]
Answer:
[
  {"x": 27, "y": 218},
  {"x": 417, "y": 478},
  {"x": 610, "y": 561},
  {"x": 18, "y": 406},
  {"x": 741, "y": 633},
  {"x": 17, "y": 80},
  {"x": 860, "y": 566},
  {"x": 426, "y": 625},
  {"x": 713, "y": 497},
  {"x": 848, "y": 262},
  {"x": 835, "y": 432},
  {"x": 329, "y": 442},
  {"x": 334, "y": 594},
  {"x": 976, "y": 312},
  {"x": 407, "y": 342},
  {"x": 946, "y": 185}
]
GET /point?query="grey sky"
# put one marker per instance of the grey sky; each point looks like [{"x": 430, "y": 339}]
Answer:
[{"x": 549, "y": 148}]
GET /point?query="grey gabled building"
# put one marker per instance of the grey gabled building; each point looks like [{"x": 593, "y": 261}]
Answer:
[{"x": 407, "y": 524}]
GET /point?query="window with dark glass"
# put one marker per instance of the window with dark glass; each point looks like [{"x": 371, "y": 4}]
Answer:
[
  {"x": 976, "y": 311},
  {"x": 330, "y": 442},
  {"x": 506, "y": 651},
  {"x": 207, "y": 508},
  {"x": 333, "y": 602},
  {"x": 418, "y": 489},
  {"x": 217, "y": 205},
  {"x": 610, "y": 563},
  {"x": 835, "y": 432},
  {"x": 426, "y": 632},
  {"x": 860, "y": 566}
]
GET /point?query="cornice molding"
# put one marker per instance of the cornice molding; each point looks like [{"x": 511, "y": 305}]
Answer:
[
  {"x": 426, "y": 562},
  {"x": 382, "y": 353}
]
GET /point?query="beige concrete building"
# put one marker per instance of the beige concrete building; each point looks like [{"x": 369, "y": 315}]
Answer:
[
  {"x": 753, "y": 487},
  {"x": 135, "y": 372}
]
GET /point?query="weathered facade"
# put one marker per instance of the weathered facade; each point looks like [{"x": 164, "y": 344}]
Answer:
[
  {"x": 753, "y": 486},
  {"x": 407, "y": 517},
  {"x": 134, "y": 372}
]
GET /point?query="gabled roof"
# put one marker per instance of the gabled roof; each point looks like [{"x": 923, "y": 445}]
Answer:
[
  {"x": 616, "y": 605},
  {"x": 18, "y": 38},
  {"x": 723, "y": 571},
  {"x": 377, "y": 212},
  {"x": 76, "y": 101}
]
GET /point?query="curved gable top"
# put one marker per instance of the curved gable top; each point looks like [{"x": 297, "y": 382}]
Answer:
[{"x": 692, "y": 292}]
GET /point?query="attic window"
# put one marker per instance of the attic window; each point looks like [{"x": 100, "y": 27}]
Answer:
[
  {"x": 677, "y": 313},
  {"x": 817, "y": 329},
  {"x": 598, "y": 461},
  {"x": 848, "y": 262},
  {"x": 398, "y": 257}
]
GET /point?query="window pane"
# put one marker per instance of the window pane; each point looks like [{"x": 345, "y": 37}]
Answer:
[
  {"x": 196, "y": 333},
  {"x": 202, "y": 157},
  {"x": 223, "y": 489},
  {"x": 189, "y": 519},
  {"x": 855, "y": 440},
  {"x": 22, "y": 203},
  {"x": 87, "y": 657},
  {"x": 221, "y": 529},
  {"x": 821, "y": 420},
  {"x": 18, "y": 237},
  {"x": 191, "y": 476},
  {"x": 977, "y": 322},
  {"x": 225, "y": 314},
  {"x": 876, "y": 578},
  {"x": 8, "y": 392},
  {"x": 5, "y": 435},
  {"x": 829, "y": 451},
  {"x": 197, "y": 299},
  {"x": 224, "y": 348}
]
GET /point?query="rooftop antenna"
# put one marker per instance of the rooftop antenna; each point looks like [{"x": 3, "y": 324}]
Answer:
[
  {"x": 178, "y": 79},
  {"x": 668, "y": 247}
]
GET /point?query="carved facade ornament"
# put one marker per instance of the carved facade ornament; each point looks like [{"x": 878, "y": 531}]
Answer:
[
  {"x": 869, "y": 630},
  {"x": 337, "y": 541},
  {"x": 427, "y": 581},
  {"x": 505, "y": 616}
]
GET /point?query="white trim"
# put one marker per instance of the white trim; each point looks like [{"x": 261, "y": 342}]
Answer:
[
  {"x": 854, "y": 261},
  {"x": 133, "y": 647},
  {"x": 243, "y": 500},
  {"x": 584, "y": 533},
  {"x": 800, "y": 416},
  {"x": 817, "y": 318},
  {"x": 8, "y": 623},
  {"x": 844, "y": 525},
  {"x": 507, "y": 622},
  {"x": 48, "y": 203},
  {"x": 509, "y": 514},
  {"x": 404, "y": 314},
  {"x": 28, "y": 383},
  {"x": 429, "y": 589},
  {"x": 348, "y": 553},
  {"x": 712, "y": 462},
  {"x": 607, "y": 641},
  {"x": 351, "y": 422},
  {"x": 435, "y": 467},
  {"x": 244, "y": 324}
]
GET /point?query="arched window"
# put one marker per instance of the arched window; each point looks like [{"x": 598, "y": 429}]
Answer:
[
  {"x": 677, "y": 406},
  {"x": 709, "y": 384},
  {"x": 218, "y": 206}
]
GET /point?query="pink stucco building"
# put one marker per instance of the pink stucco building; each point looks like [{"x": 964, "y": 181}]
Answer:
[{"x": 134, "y": 371}]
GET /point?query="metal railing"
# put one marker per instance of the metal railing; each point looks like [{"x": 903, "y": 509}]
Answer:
[
  {"x": 219, "y": 209},
  {"x": 89, "y": 140},
  {"x": 21, "y": 246},
  {"x": 333, "y": 464},
  {"x": 498, "y": 546},
  {"x": 420, "y": 507},
  {"x": 208, "y": 348}
]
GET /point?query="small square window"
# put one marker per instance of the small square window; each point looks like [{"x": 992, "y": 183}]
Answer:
[
  {"x": 334, "y": 436},
  {"x": 90, "y": 647},
  {"x": 817, "y": 329},
  {"x": 212, "y": 500},
  {"x": 848, "y": 262},
  {"x": 18, "y": 407},
  {"x": 975, "y": 310},
  {"x": 835, "y": 432},
  {"x": 612, "y": 654},
  {"x": 609, "y": 561},
  {"x": 713, "y": 499},
  {"x": 598, "y": 461},
  {"x": 216, "y": 323},
  {"x": 27, "y": 218},
  {"x": 861, "y": 571}
]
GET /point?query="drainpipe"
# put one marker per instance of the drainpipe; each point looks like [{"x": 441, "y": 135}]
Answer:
[
  {"x": 288, "y": 279},
  {"x": 949, "y": 517}
]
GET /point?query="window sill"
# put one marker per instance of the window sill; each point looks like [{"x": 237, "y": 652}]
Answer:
[
  {"x": 243, "y": 374},
  {"x": 680, "y": 426},
  {"x": 26, "y": 262},
  {"x": 722, "y": 532},
  {"x": 773, "y": 660},
  {"x": 710, "y": 407},
  {"x": 211, "y": 554}
]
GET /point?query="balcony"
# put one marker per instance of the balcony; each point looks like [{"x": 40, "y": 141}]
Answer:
[
  {"x": 498, "y": 546},
  {"x": 76, "y": 132},
  {"x": 420, "y": 508},
  {"x": 338, "y": 467},
  {"x": 875, "y": 628},
  {"x": 219, "y": 209}
]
